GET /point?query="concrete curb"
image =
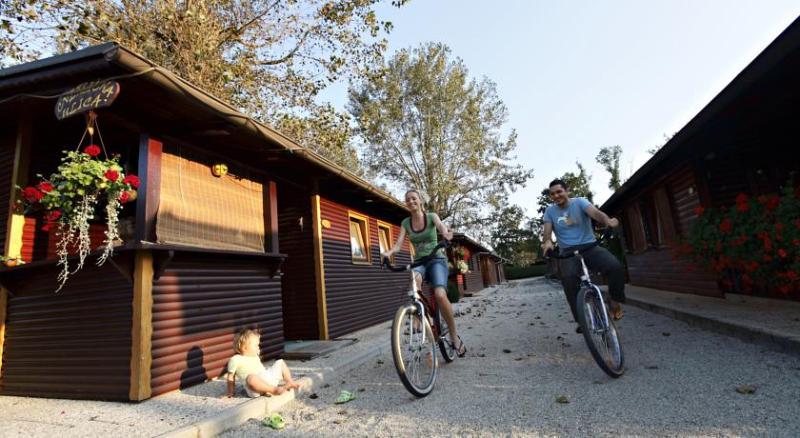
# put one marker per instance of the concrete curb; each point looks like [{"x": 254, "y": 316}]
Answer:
[
  {"x": 262, "y": 406},
  {"x": 770, "y": 339}
]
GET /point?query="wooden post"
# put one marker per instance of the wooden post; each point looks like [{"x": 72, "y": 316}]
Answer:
[
  {"x": 319, "y": 269},
  {"x": 149, "y": 190},
  {"x": 3, "y": 307},
  {"x": 142, "y": 330},
  {"x": 271, "y": 217}
]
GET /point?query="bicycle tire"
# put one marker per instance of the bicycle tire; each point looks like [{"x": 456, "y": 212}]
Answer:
[
  {"x": 588, "y": 309},
  {"x": 445, "y": 344},
  {"x": 408, "y": 373}
]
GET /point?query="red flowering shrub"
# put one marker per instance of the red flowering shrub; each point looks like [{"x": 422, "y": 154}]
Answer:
[
  {"x": 749, "y": 246},
  {"x": 132, "y": 180}
]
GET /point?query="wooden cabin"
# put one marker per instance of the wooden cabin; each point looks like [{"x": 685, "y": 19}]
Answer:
[
  {"x": 285, "y": 242},
  {"x": 484, "y": 267},
  {"x": 743, "y": 141}
]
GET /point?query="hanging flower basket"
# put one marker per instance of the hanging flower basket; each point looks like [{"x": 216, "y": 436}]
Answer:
[{"x": 69, "y": 198}]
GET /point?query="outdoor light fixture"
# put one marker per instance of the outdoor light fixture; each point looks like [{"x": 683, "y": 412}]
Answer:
[{"x": 219, "y": 170}]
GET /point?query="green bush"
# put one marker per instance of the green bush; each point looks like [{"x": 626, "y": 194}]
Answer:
[
  {"x": 452, "y": 291},
  {"x": 514, "y": 272}
]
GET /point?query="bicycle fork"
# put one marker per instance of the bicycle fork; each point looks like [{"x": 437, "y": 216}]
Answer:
[{"x": 585, "y": 282}]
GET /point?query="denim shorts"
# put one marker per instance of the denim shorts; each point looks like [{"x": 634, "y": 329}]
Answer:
[{"x": 434, "y": 272}]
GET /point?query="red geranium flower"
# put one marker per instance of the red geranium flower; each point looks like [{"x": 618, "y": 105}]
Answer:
[
  {"x": 796, "y": 242},
  {"x": 773, "y": 203},
  {"x": 779, "y": 227},
  {"x": 45, "y": 187},
  {"x": 791, "y": 275},
  {"x": 52, "y": 216},
  {"x": 742, "y": 207},
  {"x": 725, "y": 226},
  {"x": 782, "y": 253},
  {"x": 92, "y": 150},
  {"x": 32, "y": 194},
  {"x": 46, "y": 227},
  {"x": 132, "y": 180},
  {"x": 699, "y": 211},
  {"x": 784, "y": 288},
  {"x": 123, "y": 197},
  {"x": 112, "y": 175},
  {"x": 797, "y": 223},
  {"x": 741, "y": 198}
]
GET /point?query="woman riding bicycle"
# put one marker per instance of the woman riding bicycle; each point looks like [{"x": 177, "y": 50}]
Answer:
[{"x": 421, "y": 229}]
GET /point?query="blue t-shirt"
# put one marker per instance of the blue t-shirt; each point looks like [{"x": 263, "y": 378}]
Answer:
[{"x": 572, "y": 225}]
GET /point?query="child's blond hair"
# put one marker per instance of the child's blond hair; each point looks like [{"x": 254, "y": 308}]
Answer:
[{"x": 242, "y": 338}]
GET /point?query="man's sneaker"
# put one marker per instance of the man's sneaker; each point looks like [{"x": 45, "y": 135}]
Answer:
[{"x": 578, "y": 329}]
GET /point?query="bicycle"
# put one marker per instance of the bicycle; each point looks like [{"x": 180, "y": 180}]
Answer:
[
  {"x": 599, "y": 330},
  {"x": 417, "y": 329}
]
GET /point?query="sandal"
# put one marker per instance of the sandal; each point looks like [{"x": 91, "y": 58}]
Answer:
[
  {"x": 274, "y": 421},
  {"x": 617, "y": 314},
  {"x": 344, "y": 397},
  {"x": 462, "y": 350}
]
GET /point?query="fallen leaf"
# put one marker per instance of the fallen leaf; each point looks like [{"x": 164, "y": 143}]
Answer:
[
  {"x": 652, "y": 367},
  {"x": 361, "y": 389},
  {"x": 313, "y": 396},
  {"x": 746, "y": 389},
  {"x": 665, "y": 333},
  {"x": 562, "y": 399},
  {"x": 506, "y": 350}
]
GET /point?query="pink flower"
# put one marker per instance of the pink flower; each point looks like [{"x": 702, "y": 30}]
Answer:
[
  {"x": 112, "y": 175},
  {"x": 132, "y": 180},
  {"x": 92, "y": 150}
]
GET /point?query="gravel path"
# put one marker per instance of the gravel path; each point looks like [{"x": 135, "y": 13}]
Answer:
[{"x": 524, "y": 354}]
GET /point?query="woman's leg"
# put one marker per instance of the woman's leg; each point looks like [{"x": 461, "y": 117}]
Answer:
[{"x": 446, "y": 310}]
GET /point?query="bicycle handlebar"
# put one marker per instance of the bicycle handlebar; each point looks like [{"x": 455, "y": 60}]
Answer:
[
  {"x": 420, "y": 261},
  {"x": 607, "y": 234}
]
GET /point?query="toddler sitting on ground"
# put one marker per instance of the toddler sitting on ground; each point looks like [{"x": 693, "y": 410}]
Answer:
[{"x": 246, "y": 366}]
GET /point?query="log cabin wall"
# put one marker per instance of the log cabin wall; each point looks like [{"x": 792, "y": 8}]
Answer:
[
  {"x": 72, "y": 344},
  {"x": 651, "y": 236},
  {"x": 199, "y": 303},
  {"x": 298, "y": 283},
  {"x": 358, "y": 295}
]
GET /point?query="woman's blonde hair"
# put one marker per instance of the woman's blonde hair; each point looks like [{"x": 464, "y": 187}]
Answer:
[
  {"x": 242, "y": 338},
  {"x": 423, "y": 201}
]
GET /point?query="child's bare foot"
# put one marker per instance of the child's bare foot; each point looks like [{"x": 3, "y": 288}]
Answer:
[{"x": 293, "y": 385}]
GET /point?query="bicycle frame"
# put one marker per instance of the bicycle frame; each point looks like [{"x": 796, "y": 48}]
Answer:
[
  {"x": 587, "y": 282},
  {"x": 424, "y": 305}
]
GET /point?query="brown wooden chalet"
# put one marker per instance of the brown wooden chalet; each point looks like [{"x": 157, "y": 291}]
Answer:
[
  {"x": 743, "y": 141},
  {"x": 286, "y": 242},
  {"x": 484, "y": 267}
]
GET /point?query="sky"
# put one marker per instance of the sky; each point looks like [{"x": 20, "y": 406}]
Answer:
[{"x": 580, "y": 75}]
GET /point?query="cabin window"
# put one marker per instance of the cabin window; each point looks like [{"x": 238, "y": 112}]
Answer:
[
  {"x": 647, "y": 210},
  {"x": 634, "y": 229},
  {"x": 666, "y": 224},
  {"x": 359, "y": 238},
  {"x": 471, "y": 263},
  {"x": 385, "y": 238}
]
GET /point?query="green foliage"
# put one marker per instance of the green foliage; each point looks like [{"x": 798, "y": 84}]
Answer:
[
  {"x": 756, "y": 243},
  {"x": 427, "y": 125},
  {"x": 608, "y": 157},
  {"x": 511, "y": 240},
  {"x": 515, "y": 272},
  {"x": 270, "y": 59}
]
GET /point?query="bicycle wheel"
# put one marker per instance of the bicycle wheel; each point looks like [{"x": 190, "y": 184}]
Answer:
[
  {"x": 602, "y": 340},
  {"x": 414, "y": 351},
  {"x": 446, "y": 346}
]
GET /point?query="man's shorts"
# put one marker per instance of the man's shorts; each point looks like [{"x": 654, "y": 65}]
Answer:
[
  {"x": 434, "y": 272},
  {"x": 271, "y": 376}
]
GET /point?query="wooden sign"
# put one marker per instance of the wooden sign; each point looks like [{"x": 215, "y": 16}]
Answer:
[{"x": 86, "y": 97}]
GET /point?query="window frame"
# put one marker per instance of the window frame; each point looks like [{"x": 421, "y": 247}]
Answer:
[
  {"x": 365, "y": 236},
  {"x": 388, "y": 227}
]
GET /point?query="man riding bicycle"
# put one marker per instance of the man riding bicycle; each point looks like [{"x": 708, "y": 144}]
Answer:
[{"x": 571, "y": 220}]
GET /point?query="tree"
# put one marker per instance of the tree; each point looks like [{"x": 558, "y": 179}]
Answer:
[
  {"x": 268, "y": 58},
  {"x": 511, "y": 239},
  {"x": 578, "y": 185},
  {"x": 426, "y": 125},
  {"x": 609, "y": 159}
]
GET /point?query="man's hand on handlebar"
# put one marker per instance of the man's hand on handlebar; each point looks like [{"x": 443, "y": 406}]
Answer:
[{"x": 612, "y": 222}]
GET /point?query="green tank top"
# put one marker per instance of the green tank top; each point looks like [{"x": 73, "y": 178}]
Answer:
[{"x": 424, "y": 240}]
